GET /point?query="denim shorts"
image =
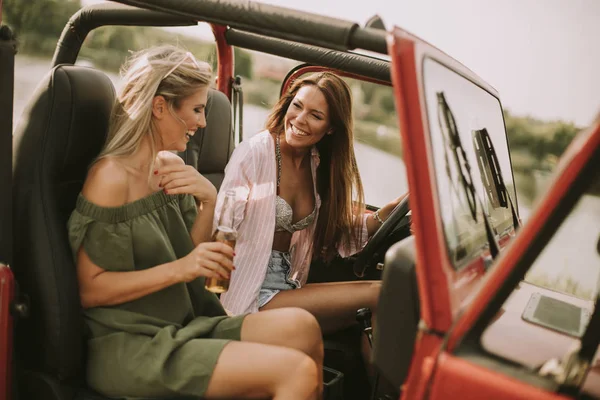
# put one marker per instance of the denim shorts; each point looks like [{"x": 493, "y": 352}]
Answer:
[{"x": 277, "y": 277}]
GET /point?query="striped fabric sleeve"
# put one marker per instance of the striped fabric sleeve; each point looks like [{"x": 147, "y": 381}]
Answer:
[
  {"x": 250, "y": 173},
  {"x": 238, "y": 177},
  {"x": 363, "y": 236}
]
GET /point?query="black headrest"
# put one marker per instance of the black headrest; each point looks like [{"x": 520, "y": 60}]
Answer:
[
  {"x": 210, "y": 148},
  {"x": 60, "y": 132}
]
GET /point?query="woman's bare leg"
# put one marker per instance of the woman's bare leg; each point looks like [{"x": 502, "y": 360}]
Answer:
[
  {"x": 288, "y": 327},
  {"x": 260, "y": 371},
  {"x": 280, "y": 356},
  {"x": 333, "y": 304}
]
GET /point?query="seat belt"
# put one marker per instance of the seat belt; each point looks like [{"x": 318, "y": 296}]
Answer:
[{"x": 238, "y": 106}]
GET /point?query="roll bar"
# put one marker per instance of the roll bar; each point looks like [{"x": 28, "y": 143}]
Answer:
[
  {"x": 97, "y": 15},
  {"x": 274, "y": 21},
  {"x": 350, "y": 62}
]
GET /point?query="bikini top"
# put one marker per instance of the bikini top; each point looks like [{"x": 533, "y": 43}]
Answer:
[
  {"x": 283, "y": 211},
  {"x": 283, "y": 217}
]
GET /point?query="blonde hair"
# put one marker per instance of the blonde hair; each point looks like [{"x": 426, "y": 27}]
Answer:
[{"x": 166, "y": 71}]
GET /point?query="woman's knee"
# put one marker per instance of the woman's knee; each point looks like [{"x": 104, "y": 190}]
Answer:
[
  {"x": 302, "y": 326},
  {"x": 299, "y": 319},
  {"x": 264, "y": 371},
  {"x": 302, "y": 375},
  {"x": 302, "y": 319}
]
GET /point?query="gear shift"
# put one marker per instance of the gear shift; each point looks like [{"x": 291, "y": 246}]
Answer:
[{"x": 363, "y": 316}]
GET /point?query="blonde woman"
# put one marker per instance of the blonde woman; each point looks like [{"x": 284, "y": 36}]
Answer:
[{"x": 140, "y": 236}]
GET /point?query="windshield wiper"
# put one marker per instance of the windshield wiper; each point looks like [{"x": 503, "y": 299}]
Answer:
[
  {"x": 452, "y": 141},
  {"x": 494, "y": 181}
]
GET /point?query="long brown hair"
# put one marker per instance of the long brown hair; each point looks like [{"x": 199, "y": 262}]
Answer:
[{"x": 338, "y": 179}]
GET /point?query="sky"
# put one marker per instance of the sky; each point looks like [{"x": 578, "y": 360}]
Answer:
[{"x": 543, "y": 57}]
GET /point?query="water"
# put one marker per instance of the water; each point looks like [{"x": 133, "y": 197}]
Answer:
[
  {"x": 571, "y": 254},
  {"x": 28, "y": 73}
]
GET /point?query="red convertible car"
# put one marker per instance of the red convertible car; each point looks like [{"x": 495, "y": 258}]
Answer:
[{"x": 456, "y": 318}]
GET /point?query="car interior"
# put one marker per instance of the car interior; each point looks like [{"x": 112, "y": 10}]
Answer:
[
  {"x": 60, "y": 132},
  {"x": 64, "y": 127}
]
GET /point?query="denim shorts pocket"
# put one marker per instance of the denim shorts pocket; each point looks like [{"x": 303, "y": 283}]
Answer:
[{"x": 277, "y": 276}]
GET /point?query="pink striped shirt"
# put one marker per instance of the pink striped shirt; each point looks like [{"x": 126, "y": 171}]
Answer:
[{"x": 252, "y": 174}]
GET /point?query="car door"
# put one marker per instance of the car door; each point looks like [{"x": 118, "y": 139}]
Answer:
[
  {"x": 465, "y": 216},
  {"x": 440, "y": 104}
]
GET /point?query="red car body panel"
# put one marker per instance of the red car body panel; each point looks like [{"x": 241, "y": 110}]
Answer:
[
  {"x": 225, "y": 61},
  {"x": 451, "y": 301},
  {"x": 315, "y": 68},
  {"x": 7, "y": 293},
  {"x": 575, "y": 157},
  {"x": 459, "y": 379}
]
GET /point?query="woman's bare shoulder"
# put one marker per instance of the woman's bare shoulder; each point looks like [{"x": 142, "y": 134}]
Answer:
[
  {"x": 107, "y": 183},
  {"x": 168, "y": 158}
]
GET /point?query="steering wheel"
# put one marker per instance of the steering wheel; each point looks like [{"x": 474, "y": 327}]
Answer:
[{"x": 364, "y": 259}]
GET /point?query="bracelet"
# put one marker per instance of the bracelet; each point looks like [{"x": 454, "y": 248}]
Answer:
[{"x": 377, "y": 217}]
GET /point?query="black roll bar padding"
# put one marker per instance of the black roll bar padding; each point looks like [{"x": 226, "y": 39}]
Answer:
[
  {"x": 97, "y": 15},
  {"x": 372, "y": 39},
  {"x": 279, "y": 22},
  {"x": 8, "y": 48},
  {"x": 348, "y": 62}
]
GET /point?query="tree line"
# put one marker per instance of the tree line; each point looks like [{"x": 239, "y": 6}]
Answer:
[{"x": 544, "y": 141}]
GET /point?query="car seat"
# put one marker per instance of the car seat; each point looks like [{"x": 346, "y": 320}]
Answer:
[{"x": 61, "y": 131}]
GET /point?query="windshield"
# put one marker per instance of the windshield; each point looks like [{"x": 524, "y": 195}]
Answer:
[{"x": 471, "y": 160}]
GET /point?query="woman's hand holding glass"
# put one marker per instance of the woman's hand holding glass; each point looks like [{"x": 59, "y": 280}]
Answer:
[
  {"x": 209, "y": 259},
  {"x": 185, "y": 179}
]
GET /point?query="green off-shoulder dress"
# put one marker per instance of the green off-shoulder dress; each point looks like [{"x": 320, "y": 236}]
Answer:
[{"x": 166, "y": 343}]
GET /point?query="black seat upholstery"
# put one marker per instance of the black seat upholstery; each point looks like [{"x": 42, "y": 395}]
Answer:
[
  {"x": 210, "y": 148},
  {"x": 60, "y": 132},
  {"x": 398, "y": 315}
]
